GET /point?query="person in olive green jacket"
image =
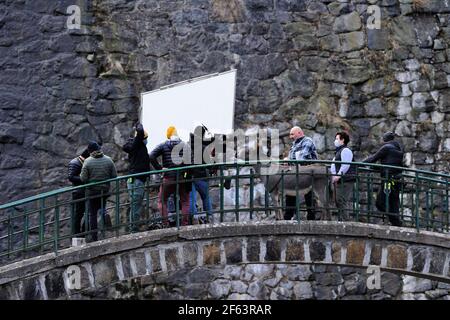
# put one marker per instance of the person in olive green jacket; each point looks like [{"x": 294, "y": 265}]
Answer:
[{"x": 97, "y": 167}]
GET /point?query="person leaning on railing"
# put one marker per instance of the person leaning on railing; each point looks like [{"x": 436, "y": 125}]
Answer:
[
  {"x": 74, "y": 170},
  {"x": 200, "y": 182},
  {"x": 390, "y": 153},
  {"x": 169, "y": 182},
  {"x": 343, "y": 174},
  {"x": 139, "y": 162},
  {"x": 97, "y": 167},
  {"x": 303, "y": 148}
]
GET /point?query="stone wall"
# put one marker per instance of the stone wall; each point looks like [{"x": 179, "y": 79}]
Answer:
[
  {"x": 315, "y": 260},
  {"x": 311, "y": 63},
  {"x": 272, "y": 282}
]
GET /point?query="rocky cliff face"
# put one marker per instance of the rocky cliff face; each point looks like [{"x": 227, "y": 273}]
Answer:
[{"x": 311, "y": 63}]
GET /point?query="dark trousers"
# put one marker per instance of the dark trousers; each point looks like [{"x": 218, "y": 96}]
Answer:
[
  {"x": 290, "y": 206},
  {"x": 393, "y": 199},
  {"x": 78, "y": 208},
  {"x": 96, "y": 203}
]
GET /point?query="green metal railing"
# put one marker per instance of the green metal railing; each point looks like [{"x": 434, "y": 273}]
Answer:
[{"x": 45, "y": 223}]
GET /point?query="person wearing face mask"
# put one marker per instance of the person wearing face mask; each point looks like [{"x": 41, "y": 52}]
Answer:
[
  {"x": 343, "y": 175},
  {"x": 139, "y": 162}
]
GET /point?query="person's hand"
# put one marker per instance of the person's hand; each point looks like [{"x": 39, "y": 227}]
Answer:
[{"x": 335, "y": 179}]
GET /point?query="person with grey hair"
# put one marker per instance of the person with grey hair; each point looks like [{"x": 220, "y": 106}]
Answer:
[
  {"x": 388, "y": 198},
  {"x": 303, "y": 148}
]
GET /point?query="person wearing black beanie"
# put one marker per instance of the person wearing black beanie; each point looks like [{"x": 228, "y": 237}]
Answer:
[
  {"x": 139, "y": 161},
  {"x": 98, "y": 167},
  {"x": 388, "y": 136},
  {"x": 74, "y": 170},
  {"x": 390, "y": 153},
  {"x": 93, "y": 146}
]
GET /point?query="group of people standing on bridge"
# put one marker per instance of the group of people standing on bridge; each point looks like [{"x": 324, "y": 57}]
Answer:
[
  {"x": 343, "y": 175},
  {"x": 93, "y": 166}
]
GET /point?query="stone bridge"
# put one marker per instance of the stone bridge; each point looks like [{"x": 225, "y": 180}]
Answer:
[{"x": 273, "y": 260}]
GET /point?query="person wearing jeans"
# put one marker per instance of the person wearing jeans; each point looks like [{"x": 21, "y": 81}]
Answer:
[
  {"x": 202, "y": 186},
  {"x": 136, "y": 190},
  {"x": 198, "y": 144},
  {"x": 139, "y": 162}
]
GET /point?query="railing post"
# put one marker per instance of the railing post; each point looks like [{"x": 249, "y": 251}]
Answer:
[
  {"x": 236, "y": 202},
  {"x": 297, "y": 196},
  {"x": 357, "y": 207},
  {"x": 313, "y": 198},
  {"x": 56, "y": 225},
  {"x": 72, "y": 214},
  {"x": 102, "y": 213},
  {"x": 386, "y": 196},
  {"x": 340, "y": 184},
  {"x": 41, "y": 225},
  {"x": 433, "y": 220},
  {"x": 222, "y": 194},
  {"x": 177, "y": 199},
  {"x": 25, "y": 231},
  {"x": 417, "y": 202},
  {"x": 369, "y": 195},
  {"x": 427, "y": 206},
  {"x": 10, "y": 234},
  {"x": 283, "y": 200},
  {"x": 327, "y": 193},
  {"x": 402, "y": 191},
  {"x": 266, "y": 198},
  {"x": 447, "y": 203},
  {"x": 87, "y": 212},
  {"x": 131, "y": 221},
  {"x": 117, "y": 213},
  {"x": 252, "y": 181},
  {"x": 147, "y": 201}
]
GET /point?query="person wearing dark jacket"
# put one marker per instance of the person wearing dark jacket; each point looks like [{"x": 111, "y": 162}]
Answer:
[
  {"x": 169, "y": 182},
  {"x": 390, "y": 153},
  {"x": 78, "y": 205},
  {"x": 139, "y": 162},
  {"x": 343, "y": 174},
  {"x": 198, "y": 145},
  {"x": 97, "y": 167}
]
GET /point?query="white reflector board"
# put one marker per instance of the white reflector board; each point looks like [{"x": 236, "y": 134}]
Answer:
[{"x": 207, "y": 100}]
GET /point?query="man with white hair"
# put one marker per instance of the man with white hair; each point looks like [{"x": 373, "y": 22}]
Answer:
[{"x": 303, "y": 148}]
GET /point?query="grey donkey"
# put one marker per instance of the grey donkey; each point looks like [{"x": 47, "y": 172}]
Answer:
[{"x": 311, "y": 177}]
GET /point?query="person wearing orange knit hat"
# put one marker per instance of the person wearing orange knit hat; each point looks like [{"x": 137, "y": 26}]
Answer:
[
  {"x": 170, "y": 180},
  {"x": 171, "y": 131}
]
